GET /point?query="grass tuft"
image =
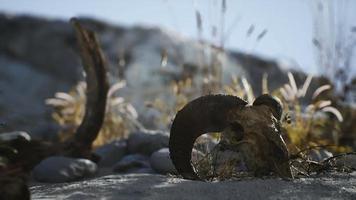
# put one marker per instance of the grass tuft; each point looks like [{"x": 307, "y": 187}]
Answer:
[{"x": 69, "y": 110}]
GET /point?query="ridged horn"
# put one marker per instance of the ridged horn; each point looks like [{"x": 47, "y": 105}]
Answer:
[
  {"x": 202, "y": 115},
  {"x": 272, "y": 102},
  {"x": 95, "y": 66}
]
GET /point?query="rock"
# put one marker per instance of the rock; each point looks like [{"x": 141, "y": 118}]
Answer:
[
  {"x": 319, "y": 154},
  {"x": 161, "y": 162},
  {"x": 135, "y": 163},
  {"x": 14, "y": 135},
  {"x": 58, "y": 169},
  {"x": 111, "y": 153},
  {"x": 146, "y": 142}
]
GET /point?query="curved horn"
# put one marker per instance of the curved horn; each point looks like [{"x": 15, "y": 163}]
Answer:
[
  {"x": 272, "y": 102},
  {"x": 94, "y": 65},
  {"x": 202, "y": 115}
]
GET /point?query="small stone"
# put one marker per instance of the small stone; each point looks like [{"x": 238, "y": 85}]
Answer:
[
  {"x": 135, "y": 163},
  {"x": 111, "y": 153},
  {"x": 161, "y": 162},
  {"x": 57, "y": 169},
  {"x": 146, "y": 142}
]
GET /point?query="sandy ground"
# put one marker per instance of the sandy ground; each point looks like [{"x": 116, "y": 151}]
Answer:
[{"x": 148, "y": 186}]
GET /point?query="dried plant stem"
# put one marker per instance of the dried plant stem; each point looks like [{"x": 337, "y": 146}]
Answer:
[{"x": 296, "y": 155}]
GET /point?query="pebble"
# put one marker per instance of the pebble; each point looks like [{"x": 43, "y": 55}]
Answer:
[
  {"x": 111, "y": 153},
  {"x": 161, "y": 162},
  {"x": 58, "y": 169}
]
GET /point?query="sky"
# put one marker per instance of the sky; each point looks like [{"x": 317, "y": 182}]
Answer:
[{"x": 289, "y": 24}]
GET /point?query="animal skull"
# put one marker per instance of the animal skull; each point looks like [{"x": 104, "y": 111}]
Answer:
[{"x": 253, "y": 130}]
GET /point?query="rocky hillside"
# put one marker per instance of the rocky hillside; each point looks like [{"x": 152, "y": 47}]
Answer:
[{"x": 38, "y": 57}]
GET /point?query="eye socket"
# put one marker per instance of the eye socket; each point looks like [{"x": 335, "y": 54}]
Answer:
[{"x": 237, "y": 129}]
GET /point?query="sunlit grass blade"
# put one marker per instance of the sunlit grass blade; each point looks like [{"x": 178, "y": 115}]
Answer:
[
  {"x": 334, "y": 111},
  {"x": 320, "y": 90}
]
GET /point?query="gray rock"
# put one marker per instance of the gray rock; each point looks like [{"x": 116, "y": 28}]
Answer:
[
  {"x": 58, "y": 169},
  {"x": 146, "y": 142},
  {"x": 161, "y": 162},
  {"x": 111, "y": 153},
  {"x": 135, "y": 163},
  {"x": 14, "y": 135}
]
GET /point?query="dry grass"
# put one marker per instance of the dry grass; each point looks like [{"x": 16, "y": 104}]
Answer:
[
  {"x": 305, "y": 128},
  {"x": 69, "y": 109},
  {"x": 309, "y": 125},
  {"x": 240, "y": 88}
]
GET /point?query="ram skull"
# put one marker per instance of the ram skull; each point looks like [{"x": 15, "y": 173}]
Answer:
[{"x": 252, "y": 130}]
